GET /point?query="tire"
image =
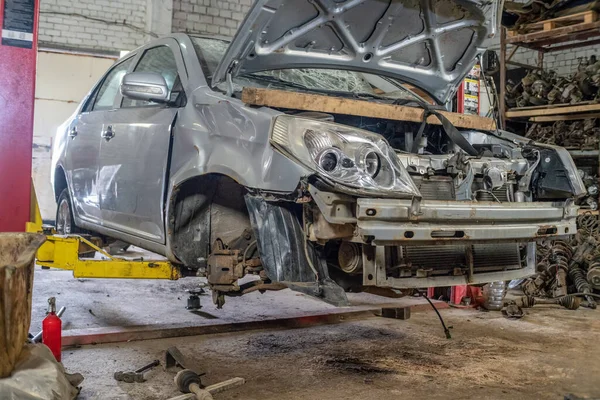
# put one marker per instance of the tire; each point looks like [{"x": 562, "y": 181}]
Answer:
[{"x": 65, "y": 223}]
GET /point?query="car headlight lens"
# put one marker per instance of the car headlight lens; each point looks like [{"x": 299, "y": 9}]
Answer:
[{"x": 349, "y": 156}]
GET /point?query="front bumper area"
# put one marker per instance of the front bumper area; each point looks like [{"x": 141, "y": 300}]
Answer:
[
  {"x": 392, "y": 221},
  {"x": 381, "y": 270}
]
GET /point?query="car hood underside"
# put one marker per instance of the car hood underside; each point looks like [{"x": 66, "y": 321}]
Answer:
[{"x": 431, "y": 44}]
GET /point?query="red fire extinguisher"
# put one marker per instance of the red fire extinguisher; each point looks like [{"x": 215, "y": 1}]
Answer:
[{"x": 52, "y": 329}]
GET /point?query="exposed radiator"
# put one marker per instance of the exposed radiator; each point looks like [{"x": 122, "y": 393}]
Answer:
[
  {"x": 499, "y": 195},
  {"x": 505, "y": 255},
  {"x": 435, "y": 187},
  {"x": 442, "y": 259}
]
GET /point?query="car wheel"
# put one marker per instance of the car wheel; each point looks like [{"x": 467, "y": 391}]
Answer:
[{"x": 65, "y": 223}]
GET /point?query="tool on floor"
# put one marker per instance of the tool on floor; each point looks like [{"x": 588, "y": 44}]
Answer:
[
  {"x": 188, "y": 382},
  {"x": 38, "y": 336},
  {"x": 193, "y": 301},
  {"x": 135, "y": 376},
  {"x": 174, "y": 358},
  {"x": 52, "y": 329}
]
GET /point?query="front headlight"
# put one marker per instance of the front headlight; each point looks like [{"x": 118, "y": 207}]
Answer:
[{"x": 349, "y": 156}]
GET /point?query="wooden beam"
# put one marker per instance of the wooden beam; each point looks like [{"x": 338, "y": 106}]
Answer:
[
  {"x": 555, "y": 34},
  {"x": 567, "y": 117},
  {"x": 554, "y": 111},
  {"x": 363, "y": 108},
  {"x": 502, "y": 94},
  {"x": 518, "y": 64},
  {"x": 512, "y": 53},
  {"x": 573, "y": 45}
]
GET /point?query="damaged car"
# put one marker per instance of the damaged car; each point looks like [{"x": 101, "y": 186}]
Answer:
[{"x": 165, "y": 154}]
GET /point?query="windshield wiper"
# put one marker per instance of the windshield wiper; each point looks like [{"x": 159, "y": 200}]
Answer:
[{"x": 272, "y": 79}]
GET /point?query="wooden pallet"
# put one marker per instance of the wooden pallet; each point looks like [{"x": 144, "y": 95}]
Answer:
[{"x": 586, "y": 17}]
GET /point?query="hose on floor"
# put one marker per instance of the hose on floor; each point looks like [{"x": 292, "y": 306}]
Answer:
[{"x": 446, "y": 329}]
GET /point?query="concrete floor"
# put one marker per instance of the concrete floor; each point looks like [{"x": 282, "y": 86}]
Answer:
[{"x": 545, "y": 355}]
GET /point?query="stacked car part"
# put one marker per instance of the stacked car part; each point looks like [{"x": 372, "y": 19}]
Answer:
[
  {"x": 569, "y": 267},
  {"x": 541, "y": 87}
]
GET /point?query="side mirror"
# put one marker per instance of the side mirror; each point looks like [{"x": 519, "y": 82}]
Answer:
[{"x": 147, "y": 86}]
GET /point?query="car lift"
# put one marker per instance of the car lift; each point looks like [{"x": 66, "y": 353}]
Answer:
[{"x": 63, "y": 252}]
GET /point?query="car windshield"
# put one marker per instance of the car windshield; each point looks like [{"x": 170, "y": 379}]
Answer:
[{"x": 357, "y": 84}]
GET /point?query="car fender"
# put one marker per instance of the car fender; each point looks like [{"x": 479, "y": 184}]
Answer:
[{"x": 218, "y": 134}]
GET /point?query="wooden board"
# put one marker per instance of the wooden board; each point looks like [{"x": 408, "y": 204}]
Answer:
[
  {"x": 363, "y": 108},
  {"x": 566, "y": 20},
  {"x": 557, "y": 35},
  {"x": 553, "y": 111},
  {"x": 567, "y": 117},
  {"x": 584, "y": 17},
  {"x": 546, "y": 106}
]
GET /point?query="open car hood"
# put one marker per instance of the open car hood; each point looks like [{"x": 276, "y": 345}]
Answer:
[{"x": 431, "y": 44}]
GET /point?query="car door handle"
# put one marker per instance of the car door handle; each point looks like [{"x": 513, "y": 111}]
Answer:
[
  {"x": 108, "y": 133},
  {"x": 73, "y": 132}
]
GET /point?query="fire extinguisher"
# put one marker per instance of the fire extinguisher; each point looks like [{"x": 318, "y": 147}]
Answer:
[{"x": 52, "y": 329}]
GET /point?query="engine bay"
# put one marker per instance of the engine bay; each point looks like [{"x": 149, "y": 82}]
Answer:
[{"x": 503, "y": 171}]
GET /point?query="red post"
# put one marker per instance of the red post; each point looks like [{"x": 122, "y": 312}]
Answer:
[{"x": 18, "y": 55}]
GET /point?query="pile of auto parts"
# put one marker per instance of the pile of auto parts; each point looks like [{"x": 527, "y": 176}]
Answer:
[
  {"x": 543, "y": 87},
  {"x": 590, "y": 201},
  {"x": 579, "y": 134},
  {"x": 568, "y": 268},
  {"x": 518, "y": 15}
]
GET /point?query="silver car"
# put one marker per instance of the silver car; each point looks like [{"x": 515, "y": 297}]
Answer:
[{"x": 164, "y": 154}]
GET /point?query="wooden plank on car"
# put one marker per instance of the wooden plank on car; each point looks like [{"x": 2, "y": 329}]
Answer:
[{"x": 363, "y": 108}]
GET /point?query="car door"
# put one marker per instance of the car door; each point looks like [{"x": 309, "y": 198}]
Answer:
[
  {"x": 83, "y": 146},
  {"x": 134, "y": 153}
]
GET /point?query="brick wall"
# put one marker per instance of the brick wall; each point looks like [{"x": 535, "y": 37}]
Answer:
[
  {"x": 217, "y": 17},
  {"x": 78, "y": 24},
  {"x": 564, "y": 62}
]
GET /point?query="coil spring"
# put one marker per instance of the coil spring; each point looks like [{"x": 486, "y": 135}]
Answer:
[
  {"x": 594, "y": 262},
  {"x": 578, "y": 277},
  {"x": 588, "y": 225},
  {"x": 561, "y": 254}
]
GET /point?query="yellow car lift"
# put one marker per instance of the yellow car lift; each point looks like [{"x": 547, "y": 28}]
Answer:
[{"x": 63, "y": 251}]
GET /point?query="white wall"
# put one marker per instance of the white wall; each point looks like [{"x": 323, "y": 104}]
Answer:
[
  {"x": 217, "y": 17},
  {"x": 93, "y": 24},
  {"x": 62, "y": 81}
]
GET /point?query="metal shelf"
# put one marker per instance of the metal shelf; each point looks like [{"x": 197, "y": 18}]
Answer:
[{"x": 584, "y": 153}]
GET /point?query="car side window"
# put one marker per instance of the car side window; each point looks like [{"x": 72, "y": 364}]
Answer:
[
  {"x": 105, "y": 96},
  {"x": 159, "y": 60}
]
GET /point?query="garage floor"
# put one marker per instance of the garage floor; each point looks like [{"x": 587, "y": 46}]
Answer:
[{"x": 545, "y": 355}]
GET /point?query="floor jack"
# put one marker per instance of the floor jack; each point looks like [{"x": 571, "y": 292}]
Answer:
[{"x": 64, "y": 251}]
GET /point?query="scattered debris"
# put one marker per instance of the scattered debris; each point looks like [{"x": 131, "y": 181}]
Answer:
[{"x": 512, "y": 310}]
